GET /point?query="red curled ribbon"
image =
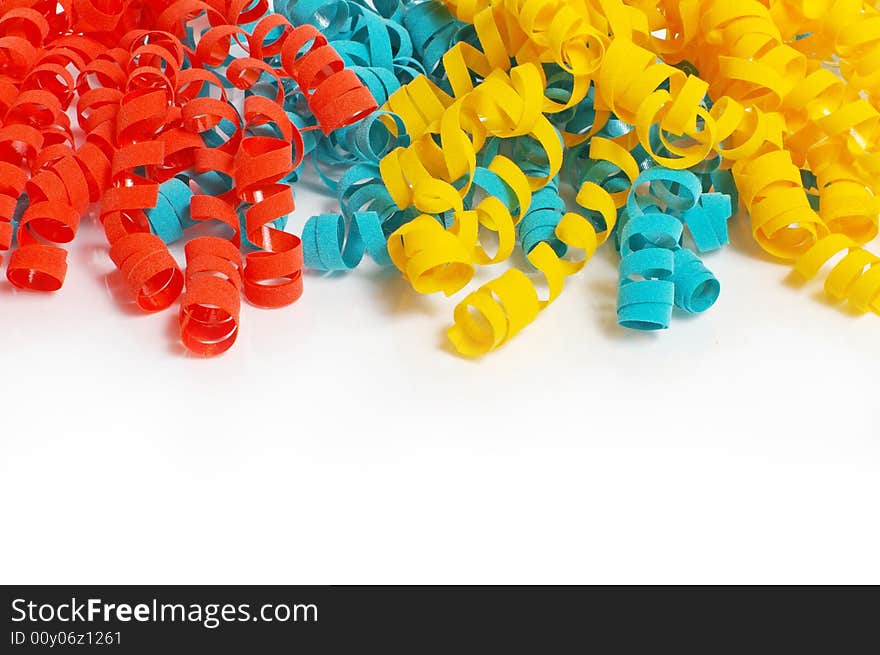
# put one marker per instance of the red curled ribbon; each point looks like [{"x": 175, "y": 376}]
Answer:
[
  {"x": 148, "y": 107},
  {"x": 57, "y": 190},
  {"x": 273, "y": 276},
  {"x": 335, "y": 94},
  {"x": 151, "y": 272},
  {"x": 39, "y": 58},
  {"x": 210, "y": 307}
]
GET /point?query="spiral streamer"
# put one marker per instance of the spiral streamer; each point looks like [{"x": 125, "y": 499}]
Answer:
[
  {"x": 377, "y": 48},
  {"x": 151, "y": 84},
  {"x": 662, "y": 119},
  {"x": 47, "y": 185},
  {"x": 771, "y": 56},
  {"x": 656, "y": 270},
  {"x": 326, "y": 247},
  {"x": 855, "y": 278},
  {"x": 647, "y": 292},
  {"x": 211, "y": 306}
]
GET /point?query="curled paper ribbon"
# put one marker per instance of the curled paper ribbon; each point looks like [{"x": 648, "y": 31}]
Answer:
[
  {"x": 430, "y": 257},
  {"x": 497, "y": 311},
  {"x": 770, "y": 57},
  {"x": 273, "y": 275},
  {"x": 846, "y": 205},
  {"x": 377, "y": 48},
  {"x": 47, "y": 185},
  {"x": 681, "y": 195},
  {"x": 150, "y": 271},
  {"x": 38, "y": 267},
  {"x": 326, "y": 248},
  {"x": 646, "y": 292},
  {"x": 211, "y": 305},
  {"x": 707, "y": 221},
  {"x": 855, "y": 278},
  {"x": 434, "y": 32},
  {"x": 656, "y": 271},
  {"x": 771, "y": 189},
  {"x": 364, "y": 143},
  {"x": 150, "y": 82},
  {"x": 696, "y": 288},
  {"x": 334, "y": 93},
  {"x": 494, "y": 314},
  {"x": 627, "y": 85},
  {"x": 170, "y": 217},
  {"x": 539, "y": 223}
]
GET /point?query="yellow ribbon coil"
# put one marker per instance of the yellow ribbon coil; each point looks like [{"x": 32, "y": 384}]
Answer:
[{"x": 776, "y": 110}]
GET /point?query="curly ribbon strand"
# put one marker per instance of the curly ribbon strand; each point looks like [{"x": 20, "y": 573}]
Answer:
[
  {"x": 855, "y": 278},
  {"x": 497, "y": 311},
  {"x": 326, "y": 248},
  {"x": 170, "y": 217},
  {"x": 211, "y": 305},
  {"x": 646, "y": 292},
  {"x": 707, "y": 221},
  {"x": 430, "y": 257},
  {"x": 152, "y": 274},
  {"x": 770, "y": 56},
  {"x": 539, "y": 223},
  {"x": 656, "y": 271},
  {"x": 272, "y": 276},
  {"x": 846, "y": 205},
  {"x": 378, "y": 49},
  {"x": 434, "y": 32},
  {"x": 681, "y": 195},
  {"x": 47, "y": 184},
  {"x": 696, "y": 288},
  {"x": 153, "y": 85},
  {"x": 148, "y": 267}
]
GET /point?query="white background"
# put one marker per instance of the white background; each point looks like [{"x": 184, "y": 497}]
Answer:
[{"x": 340, "y": 441}]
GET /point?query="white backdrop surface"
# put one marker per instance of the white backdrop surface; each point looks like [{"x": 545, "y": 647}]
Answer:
[{"x": 340, "y": 441}]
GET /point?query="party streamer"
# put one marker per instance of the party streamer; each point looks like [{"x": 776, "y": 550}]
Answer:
[
  {"x": 679, "y": 128},
  {"x": 210, "y": 308},
  {"x": 153, "y": 86},
  {"x": 661, "y": 119},
  {"x": 43, "y": 176},
  {"x": 772, "y": 58},
  {"x": 656, "y": 271},
  {"x": 426, "y": 176}
]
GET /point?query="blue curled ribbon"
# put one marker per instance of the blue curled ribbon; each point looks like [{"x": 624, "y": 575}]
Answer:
[
  {"x": 21, "y": 206},
  {"x": 371, "y": 214},
  {"x": 372, "y": 41},
  {"x": 811, "y": 184},
  {"x": 646, "y": 292},
  {"x": 325, "y": 247},
  {"x": 696, "y": 289},
  {"x": 707, "y": 221},
  {"x": 538, "y": 225},
  {"x": 680, "y": 193},
  {"x": 494, "y": 186},
  {"x": 367, "y": 141},
  {"x": 434, "y": 31},
  {"x": 656, "y": 272},
  {"x": 170, "y": 217}
]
